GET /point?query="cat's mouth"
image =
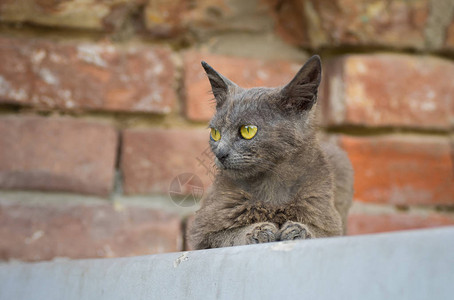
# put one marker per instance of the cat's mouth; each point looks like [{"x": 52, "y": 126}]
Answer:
[
  {"x": 219, "y": 164},
  {"x": 226, "y": 165}
]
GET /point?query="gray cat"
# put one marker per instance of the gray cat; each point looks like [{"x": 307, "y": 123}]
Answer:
[{"x": 275, "y": 180}]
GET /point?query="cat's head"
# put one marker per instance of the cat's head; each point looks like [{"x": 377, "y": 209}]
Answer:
[{"x": 256, "y": 129}]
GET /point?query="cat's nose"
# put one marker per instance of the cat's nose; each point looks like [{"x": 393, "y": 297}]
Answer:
[{"x": 222, "y": 156}]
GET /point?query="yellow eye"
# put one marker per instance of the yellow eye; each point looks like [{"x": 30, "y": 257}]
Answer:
[
  {"x": 215, "y": 134},
  {"x": 248, "y": 131}
]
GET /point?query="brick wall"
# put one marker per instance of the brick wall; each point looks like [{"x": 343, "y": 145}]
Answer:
[{"x": 104, "y": 103}]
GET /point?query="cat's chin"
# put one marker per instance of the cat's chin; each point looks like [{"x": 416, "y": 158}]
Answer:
[{"x": 236, "y": 172}]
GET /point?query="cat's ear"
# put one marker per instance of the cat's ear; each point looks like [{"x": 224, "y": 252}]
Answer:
[
  {"x": 301, "y": 92},
  {"x": 220, "y": 85}
]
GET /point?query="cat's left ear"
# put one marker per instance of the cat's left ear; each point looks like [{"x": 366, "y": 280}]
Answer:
[
  {"x": 220, "y": 85},
  {"x": 301, "y": 92}
]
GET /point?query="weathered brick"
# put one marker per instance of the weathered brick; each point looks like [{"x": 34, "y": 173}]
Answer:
[
  {"x": 57, "y": 154},
  {"x": 243, "y": 71},
  {"x": 87, "y": 14},
  {"x": 43, "y": 231},
  {"x": 165, "y": 18},
  {"x": 401, "y": 169},
  {"x": 389, "y": 90},
  {"x": 316, "y": 23},
  {"x": 450, "y": 37},
  {"x": 210, "y": 18},
  {"x": 152, "y": 158},
  {"x": 289, "y": 23},
  {"x": 100, "y": 76},
  {"x": 364, "y": 223},
  {"x": 439, "y": 23}
]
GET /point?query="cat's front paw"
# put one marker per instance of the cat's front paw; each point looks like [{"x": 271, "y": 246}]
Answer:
[
  {"x": 293, "y": 231},
  {"x": 262, "y": 233}
]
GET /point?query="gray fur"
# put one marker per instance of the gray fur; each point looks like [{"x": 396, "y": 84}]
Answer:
[{"x": 281, "y": 184}]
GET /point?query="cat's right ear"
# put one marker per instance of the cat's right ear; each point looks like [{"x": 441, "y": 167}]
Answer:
[
  {"x": 301, "y": 93},
  {"x": 220, "y": 85}
]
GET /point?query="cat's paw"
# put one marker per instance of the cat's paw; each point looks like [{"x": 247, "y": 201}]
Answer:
[
  {"x": 293, "y": 231},
  {"x": 262, "y": 233}
]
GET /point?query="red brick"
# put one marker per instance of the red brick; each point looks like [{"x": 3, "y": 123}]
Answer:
[
  {"x": 86, "y": 76},
  {"x": 33, "y": 232},
  {"x": 152, "y": 158},
  {"x": 57, "y": 154},
  {"x": 389, "y": 90},
  {"x": 319, "y": 23},
  {"x": 364, "y": 224},
  {"x": 243, "y": 71},
  {"x": 87, "y": 14},
  {"x": 401, "y": 169}
]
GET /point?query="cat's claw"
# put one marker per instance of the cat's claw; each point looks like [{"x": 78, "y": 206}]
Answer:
[
  {"x": 293, "y": 231},
  {"x": 262, "y": 233}
]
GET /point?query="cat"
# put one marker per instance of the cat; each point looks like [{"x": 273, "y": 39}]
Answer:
[{"x": 276, "y": 181}]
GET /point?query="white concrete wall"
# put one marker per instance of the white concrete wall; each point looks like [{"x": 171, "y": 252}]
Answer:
[{"x": 407, "y": 265}]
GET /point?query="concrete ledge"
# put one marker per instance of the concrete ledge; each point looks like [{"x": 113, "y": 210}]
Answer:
[{"x": 406, "y": 265}]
